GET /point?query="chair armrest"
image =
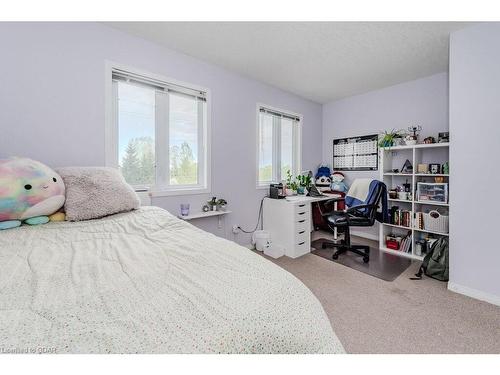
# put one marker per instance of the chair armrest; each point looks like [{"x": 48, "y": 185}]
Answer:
[{"x": 360, "y": 207}]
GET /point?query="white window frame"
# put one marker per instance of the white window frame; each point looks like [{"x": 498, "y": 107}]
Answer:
[
  {"x": 161, "y": 135},
  {"x": 276, "y": 147}
]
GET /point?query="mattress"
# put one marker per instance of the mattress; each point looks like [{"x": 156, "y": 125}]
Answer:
[{"x": 147, "y": 282}]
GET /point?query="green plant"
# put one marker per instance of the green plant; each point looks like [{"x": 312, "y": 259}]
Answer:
[
  {"x": 221, "y": 202},
  {"x": 304, "y": 180},
  {"x": 212, "y": 202},
  {"x": 290, "y": 181},
  {"x": 386, "y": 139}
]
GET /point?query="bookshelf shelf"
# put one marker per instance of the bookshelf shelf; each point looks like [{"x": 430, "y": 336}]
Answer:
[
  {"x": 390, "y": 159},
  {"x": 400, "y": 200},
  {"x": 397, "y": 226}
]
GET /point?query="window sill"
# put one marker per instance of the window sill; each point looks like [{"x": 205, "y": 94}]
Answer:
[{"x": 177, "y": 192}]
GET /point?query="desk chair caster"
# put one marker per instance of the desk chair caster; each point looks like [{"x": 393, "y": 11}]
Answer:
[{"x": 346, "y": 246}]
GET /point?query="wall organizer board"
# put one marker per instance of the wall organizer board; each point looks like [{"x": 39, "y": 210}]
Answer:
[{"x": 356, "y": 153}]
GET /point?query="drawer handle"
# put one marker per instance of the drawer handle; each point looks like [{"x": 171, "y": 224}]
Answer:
[
  {"x": 302, "y": 243},
  {"x": 301, "y": 213},
  {"x": 302, "y": 205},
  {"x": 302, "y": 232},
  {"x": 301, "y": 221}
]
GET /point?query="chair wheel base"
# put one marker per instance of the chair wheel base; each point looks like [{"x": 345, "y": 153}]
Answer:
[
  {"x": 335, "y": 256},
  {"x": 366, "y": 259}
]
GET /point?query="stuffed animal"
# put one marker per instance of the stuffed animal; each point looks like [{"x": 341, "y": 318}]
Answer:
[
  {"x": 29, "y": 192},
  {"x": 322, "y": 178},
  {"x": 338, "y": 183}
]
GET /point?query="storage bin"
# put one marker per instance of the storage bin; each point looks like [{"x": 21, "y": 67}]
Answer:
[
  {"x": 433, "y": 192},
  {"x": 261, "y": 239},
  {"x": 436, "y": 222}
]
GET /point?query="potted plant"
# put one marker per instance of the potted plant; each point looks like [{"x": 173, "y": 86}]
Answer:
[
  {"x": 221, "y": 204},
  {"x": 213, "y": 204},
  {"x": 291, "y": 185},
  {"x": 304, "y": 181},
  {"x": 390, "y": 138}
]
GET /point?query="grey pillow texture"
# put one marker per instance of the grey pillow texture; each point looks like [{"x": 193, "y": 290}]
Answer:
[{"x": 94, "y": 192}]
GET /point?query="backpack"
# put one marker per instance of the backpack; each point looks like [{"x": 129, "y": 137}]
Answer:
[{"x": 436, "y": 261}]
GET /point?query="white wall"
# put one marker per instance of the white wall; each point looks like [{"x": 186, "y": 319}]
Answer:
[
  {"x": 52, "y": 99},
  {"x": 475, "y": 181},
  {"x": 423, "y": 101}
]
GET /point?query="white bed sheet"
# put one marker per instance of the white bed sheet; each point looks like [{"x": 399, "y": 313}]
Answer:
[{"x": 147, "y": 282}]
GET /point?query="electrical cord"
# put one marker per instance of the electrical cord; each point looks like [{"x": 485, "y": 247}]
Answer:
[{"x": 258, "y": 219}]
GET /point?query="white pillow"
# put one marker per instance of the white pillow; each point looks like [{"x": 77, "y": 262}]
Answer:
[{"x": 94, "y": 192}]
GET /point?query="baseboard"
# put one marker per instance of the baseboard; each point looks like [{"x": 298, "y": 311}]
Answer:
[
  {"x": 368, "y": 236},
  {"x": 474, "y": 293}
]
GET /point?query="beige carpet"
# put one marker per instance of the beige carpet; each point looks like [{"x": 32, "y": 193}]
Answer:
[{"x": 370, "y": 315}]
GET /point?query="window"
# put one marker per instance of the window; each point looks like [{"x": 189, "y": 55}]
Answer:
[
  {"x": 161, "y": 134},
  {"x": 278, "y": 145}
]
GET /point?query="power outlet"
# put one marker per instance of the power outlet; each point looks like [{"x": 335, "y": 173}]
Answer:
[{"x": 236, "y": 229}]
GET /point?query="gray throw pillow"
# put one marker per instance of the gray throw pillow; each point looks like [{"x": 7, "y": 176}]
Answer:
[{"x": 94, "y": 192}]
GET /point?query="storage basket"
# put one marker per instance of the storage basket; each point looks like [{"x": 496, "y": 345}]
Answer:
[{"x": 436, "y": 222}]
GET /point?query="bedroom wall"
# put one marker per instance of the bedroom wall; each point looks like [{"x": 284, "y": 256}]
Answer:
[
  {"x": 423, "y": 101},
  {"x": 475, "y": 131},
  {"x": 52, "y": 96}
]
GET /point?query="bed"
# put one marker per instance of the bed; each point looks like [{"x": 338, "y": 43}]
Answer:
[{"x": 147, "y": 282}]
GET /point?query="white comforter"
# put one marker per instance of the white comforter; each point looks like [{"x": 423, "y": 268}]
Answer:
[{"x": 147, "y": 282}]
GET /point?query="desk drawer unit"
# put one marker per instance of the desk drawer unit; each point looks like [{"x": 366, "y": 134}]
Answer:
[{"x": 289, "y": 224}]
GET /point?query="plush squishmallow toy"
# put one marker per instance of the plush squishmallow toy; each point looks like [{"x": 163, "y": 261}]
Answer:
[
  {"x": 322, "y": 178},
  {"x": 338, "y": 183},
  {"x": 29, "y": 192}
]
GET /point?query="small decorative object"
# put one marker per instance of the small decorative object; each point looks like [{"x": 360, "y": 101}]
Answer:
[
  {"x": 423, "y": 168},
  {"x": 407, "y": 186},
  {"x": 393, "y": 194},
  {"x": 205, "y": 208},
  {"x": 213, "y": 204},
  {"x": 439, "y": 179},
  {"x": 338, "y": 183},
  {"x": 395, "y": 170},
  {"x": 184, "y": 209},
  {"x": 429, "y": 140},
  {"x": 443, "y": 137},
  {"x": 414, "y": 130},
  {"x": 407, "y": 167},
  {"x": 434, "y": 168},
  {"x": 403, "y": 195},
  {"x": 390, "y": 138},
  {"x": 322, "y": 178},
  {"x": 410, "y": 141},
  {"x": 445, "y": 168},
  {"x": 221, "y": 205}
]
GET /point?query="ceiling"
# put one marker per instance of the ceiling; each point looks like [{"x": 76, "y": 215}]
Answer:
[{"x": 320, "y": 61}]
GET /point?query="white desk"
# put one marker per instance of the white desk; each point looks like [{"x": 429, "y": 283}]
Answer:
[{"x": 289, "y": 222}]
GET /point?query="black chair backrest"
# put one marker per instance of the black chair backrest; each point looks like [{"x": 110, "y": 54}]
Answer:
[{"x": 371, "y": 213}]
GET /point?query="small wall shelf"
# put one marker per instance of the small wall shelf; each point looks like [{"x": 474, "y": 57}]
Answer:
[
  {"x": 201, "y": 215},
  {"x": 416, "y": 154}
]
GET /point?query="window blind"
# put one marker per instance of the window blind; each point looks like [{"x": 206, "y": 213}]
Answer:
[{"x": 133, "y": 78}]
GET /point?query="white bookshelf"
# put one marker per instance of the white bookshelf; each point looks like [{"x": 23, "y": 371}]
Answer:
[{"x": 394, "y": 157}]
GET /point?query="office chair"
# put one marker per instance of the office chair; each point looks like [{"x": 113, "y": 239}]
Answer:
[{"x": 362, "y": 215}]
